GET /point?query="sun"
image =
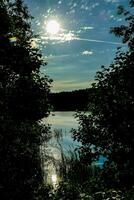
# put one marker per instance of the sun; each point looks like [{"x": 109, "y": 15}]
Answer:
[{"x": 52, "y": 27}]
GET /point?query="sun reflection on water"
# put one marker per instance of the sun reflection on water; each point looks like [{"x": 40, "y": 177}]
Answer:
[{"x": 54, "y": 179}]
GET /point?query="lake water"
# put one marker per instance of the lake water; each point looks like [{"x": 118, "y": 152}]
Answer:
[{"x": 63, "y": 121}]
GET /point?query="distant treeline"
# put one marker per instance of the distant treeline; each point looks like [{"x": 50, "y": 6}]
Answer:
[{"x": 70, "y": 101}]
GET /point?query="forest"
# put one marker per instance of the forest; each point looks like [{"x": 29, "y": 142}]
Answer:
[
  {"x": 71, "y": 100},
  {"x": 105, "y": 125}
]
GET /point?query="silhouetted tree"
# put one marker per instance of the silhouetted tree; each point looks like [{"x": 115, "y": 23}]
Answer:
[
  {"x": 23, "y": 102},
  {"x": 108, "y": 128}
]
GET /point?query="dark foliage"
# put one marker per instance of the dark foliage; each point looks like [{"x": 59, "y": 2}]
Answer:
[
  {"x": 108, "y": 128},
  {"x": 23, "y": 102}
]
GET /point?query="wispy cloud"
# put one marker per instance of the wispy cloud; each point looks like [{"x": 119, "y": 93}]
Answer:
[
  {"x": 88, "y": 28},
  {"x": 72, "y": 36},
  {"x": 87, "y": 7},
  {"x": 67, "y": 37},
  {"x": 62, "y": 37},
  {"x": 51, "y": 57},
  {"x": 61, "y": 69},
  {"x": 111, "y": 1},
  {"x": 87, "y": 52},
  {"x": 98, "y": 41},
  {"x": 68, "y": 85}
]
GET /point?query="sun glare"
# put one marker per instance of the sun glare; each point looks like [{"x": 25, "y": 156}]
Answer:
[{"x": 53, "y": 27}]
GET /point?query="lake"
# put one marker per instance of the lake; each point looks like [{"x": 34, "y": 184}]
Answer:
[{"x": 63, "y": 121}]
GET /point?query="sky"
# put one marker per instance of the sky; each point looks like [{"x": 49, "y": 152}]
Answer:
[{"x": 74, "y": 38}]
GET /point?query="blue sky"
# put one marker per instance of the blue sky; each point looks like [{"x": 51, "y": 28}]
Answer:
[{"x": 83, "y": 42}]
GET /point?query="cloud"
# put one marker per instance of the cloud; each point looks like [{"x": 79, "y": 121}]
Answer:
[
  {"x": 86, "y": 7},
  {"x": 99, "y": 41},
  {"x": 60, "y": 69},
  {"x": 60, "y": 38},
  {"x": 68, "y": 36},
  {"x": 111, "y": 1},
  {"x": 84, "y": 28},
  {"x": 69, "y": 85},
  {"x": 59, "y": 2},
  {"x": 50, "y": 57},
  {"x": 87, "y": 52},
  {"x": 88, "y": 28}
]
